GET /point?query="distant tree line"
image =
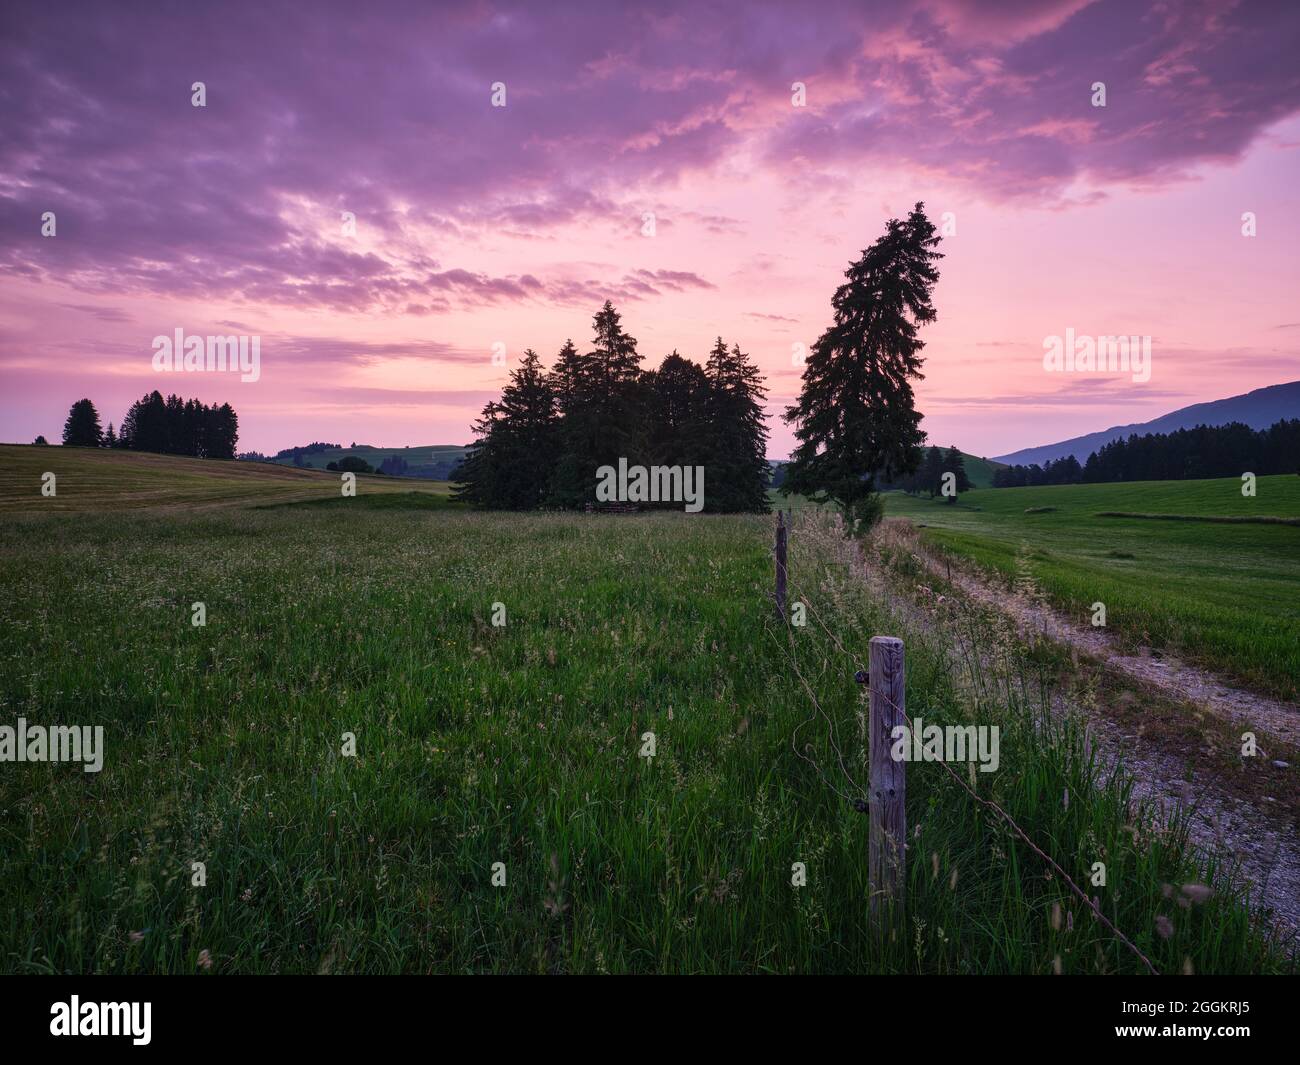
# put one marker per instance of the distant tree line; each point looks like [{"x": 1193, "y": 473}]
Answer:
[
  {"x": 542, "y": 442},
  {"x": 927, "y": 478},
  {"x": 297, "y": 453},
  {"x": 1183, "y": 455},
  {"x": 171, "y": 426}
]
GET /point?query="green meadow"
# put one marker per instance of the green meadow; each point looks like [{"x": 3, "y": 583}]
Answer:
[
  {"x": 1189, "y": 566},
  {"x": 499, "y": 675}
]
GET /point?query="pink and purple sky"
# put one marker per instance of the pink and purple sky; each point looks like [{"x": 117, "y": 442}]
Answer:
[{"x": 478, "y": 224}]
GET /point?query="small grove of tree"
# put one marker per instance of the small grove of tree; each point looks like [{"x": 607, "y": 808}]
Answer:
[
  {"x": 313, "y": 448},
  {"x": 542, "y": 442},
  {"x": 1185, "y": 454},
  {"x": 175, "y": 426},
  {"x": 856, "y": 419},
  {"x": 82, "y": 427},
  {"x": 350, "y": 464}
]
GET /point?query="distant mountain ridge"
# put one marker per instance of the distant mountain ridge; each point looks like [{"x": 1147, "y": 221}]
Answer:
[{"x": 1258, "y": 409}]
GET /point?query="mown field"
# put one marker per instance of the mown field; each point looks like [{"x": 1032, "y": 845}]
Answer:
[
  {"x": 517, "y": 744},
  {"x": 1224, "y": 594},
  {"x": 87, "y": 479}
]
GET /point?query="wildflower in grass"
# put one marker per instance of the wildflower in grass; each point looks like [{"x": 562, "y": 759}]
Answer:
[
  {"x": 1196, "y": 892},
  {"x": 205, "y": 959},
  {"x": 137, "y": 937},
  {"x": 1164, "y": 926}
]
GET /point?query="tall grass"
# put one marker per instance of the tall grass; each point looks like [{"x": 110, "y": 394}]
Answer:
[{"x": 520, "y": 745}]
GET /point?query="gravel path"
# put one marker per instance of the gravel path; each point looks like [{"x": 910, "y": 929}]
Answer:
[{"x": 1261, "y": 843}]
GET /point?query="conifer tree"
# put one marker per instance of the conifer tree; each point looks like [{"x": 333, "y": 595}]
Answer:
[
  {"x": 82, "y": 427},
  {"x": 955, "y": 463},
  {"x": 736, "y": 469},
  {"x": 511, "y": 465},
  {"x": 856, "y": 418}
]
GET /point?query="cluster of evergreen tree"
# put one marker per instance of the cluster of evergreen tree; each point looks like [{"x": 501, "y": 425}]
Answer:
[
  {"x": 172, "y": 426},
  {"x": 313, "y": 448},
  {"x": 927, "y": 479},
  {"x": 542, "y": 442},
  {"x": 1183, "y": 455}
]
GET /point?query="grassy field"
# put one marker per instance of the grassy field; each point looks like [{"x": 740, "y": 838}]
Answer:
[
  {"x": 88, "y": 479},
  {"x": 517, "y": 744},
  {"x": 1223, "y": 594}
]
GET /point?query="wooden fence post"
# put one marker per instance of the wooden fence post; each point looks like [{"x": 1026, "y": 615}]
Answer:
[
  {"x": 779, "y": 551},
  {"x": 887, "y": 863}
]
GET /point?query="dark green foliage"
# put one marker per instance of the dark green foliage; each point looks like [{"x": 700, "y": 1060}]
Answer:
[
  {"x": 82, "y": 427},
  {"x": 511, "y": 464},
  {"x": 737, "y": 438},
  {"x": 856, "y": 419},
  {"x": 174, "y": 426},
  {"x": 954, "y": 463},
  {"x": 352, "y": 464},
  {"x": 543, "y": 442},
  {"x": 1202, "y": 453}
]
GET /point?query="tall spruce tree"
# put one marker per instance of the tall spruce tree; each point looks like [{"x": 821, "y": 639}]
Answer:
[
  {"x": 856, "y": 418},
  {"x": 511, "y": 465},
  {"x": 955, "y": 463},
  {"x": 677, "y": 426},
  {"x": 604, "y": 416},
  {"x": 736, "y": 469},
  {"x": 932, "y": 471},
  {"x": 82, "y": 427},
  {"x": 569, "y": 486}
]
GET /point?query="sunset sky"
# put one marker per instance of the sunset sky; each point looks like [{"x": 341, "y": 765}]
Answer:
[{"x": 478, "y": 224}]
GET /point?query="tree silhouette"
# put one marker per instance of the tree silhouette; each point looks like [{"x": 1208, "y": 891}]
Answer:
[
  {"x": 856, "y": 419},
  {"x": 82, "y": 427}
]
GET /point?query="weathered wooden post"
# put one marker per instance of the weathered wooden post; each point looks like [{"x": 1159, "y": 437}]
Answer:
[
  {"x": 887, "y": 863},
  {"x": 779, "y": 551}
]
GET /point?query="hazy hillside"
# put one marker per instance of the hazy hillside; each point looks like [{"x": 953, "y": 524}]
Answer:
[
  {"x": 432, "y": 461},
  {"x": 1258, "y": 409}
]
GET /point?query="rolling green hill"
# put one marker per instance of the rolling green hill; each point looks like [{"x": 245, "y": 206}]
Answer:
[{"x": 433, "y": 461}]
